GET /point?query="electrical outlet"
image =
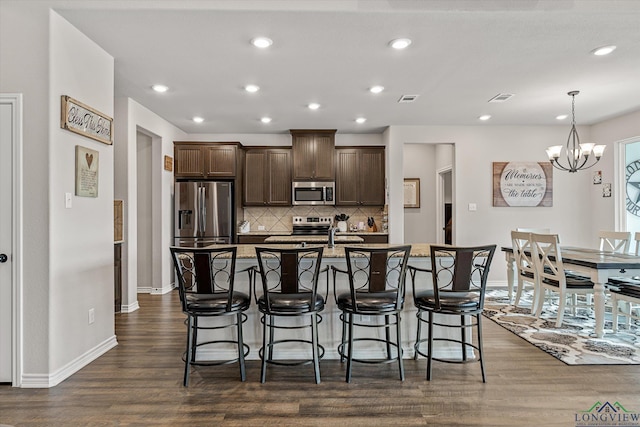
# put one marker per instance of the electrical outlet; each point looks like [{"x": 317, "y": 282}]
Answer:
[
  {"x": 261, "y": 228},
  {"x": 92, "y": 315}
]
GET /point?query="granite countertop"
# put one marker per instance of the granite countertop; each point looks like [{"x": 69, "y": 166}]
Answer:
[
  {"x": 417, "y": 249},
  {"x": 340, "y": 238},
  {"x": 288, "y": 233}
]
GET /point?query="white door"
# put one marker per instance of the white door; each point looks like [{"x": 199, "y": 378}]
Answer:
[{"x": 6, "y": 176}]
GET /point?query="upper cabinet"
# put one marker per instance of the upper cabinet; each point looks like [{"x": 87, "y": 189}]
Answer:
[
  {"x": 360, "y": 176},
  {"x": 267, "y": 177},
  {"x": 313, "y": 155},
  {"x": 205, "y": 160}
]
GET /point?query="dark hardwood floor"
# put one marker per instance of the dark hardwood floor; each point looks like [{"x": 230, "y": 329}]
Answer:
[{"x": 140, "y": 383}]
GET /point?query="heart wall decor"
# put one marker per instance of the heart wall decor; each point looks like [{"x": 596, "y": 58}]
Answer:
[{"x": 89, "y": 158}]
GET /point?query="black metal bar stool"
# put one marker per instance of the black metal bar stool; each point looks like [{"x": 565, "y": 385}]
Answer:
[
  {"x": 206, "y": 287},
  {"x": 376, "y": 288},
  {"x": 289, "y": 289},
  {"x": 459, "y": 278}
]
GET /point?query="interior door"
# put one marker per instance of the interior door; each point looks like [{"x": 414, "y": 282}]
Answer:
[{"x": 6, "y": 240}]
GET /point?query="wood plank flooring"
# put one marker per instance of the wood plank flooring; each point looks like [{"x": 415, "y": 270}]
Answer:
[{"x": 140, "y": 383}]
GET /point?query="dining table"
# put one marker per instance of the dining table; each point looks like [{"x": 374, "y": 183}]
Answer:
[{"x": 593, "y": 263}]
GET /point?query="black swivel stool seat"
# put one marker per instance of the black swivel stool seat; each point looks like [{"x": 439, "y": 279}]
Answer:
[
  {"x": 458, "y": 277},
  {"x": 206, "y": 287},
  {"x": 289, "y": 289},
  {"x": 376, "y": 289}
]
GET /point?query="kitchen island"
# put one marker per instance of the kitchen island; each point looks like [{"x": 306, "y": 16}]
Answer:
[{"x": 330, "y": 329}]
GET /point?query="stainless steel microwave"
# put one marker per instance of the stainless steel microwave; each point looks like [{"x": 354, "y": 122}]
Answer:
[{"x": 313, "y": 193}]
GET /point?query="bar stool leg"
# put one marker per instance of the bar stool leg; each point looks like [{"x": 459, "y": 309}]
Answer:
[
  {"x": 416, "y": 347},
  {"x": 387, "y": 336},
  {"x": 187, "y": 356},
  {"x": 399, "y": 343},
  {"x": 243, "y": 375},
  {"x": 265, "y": 351},
  {"x": 463, "y": 333},
  {"x": 350, "y": 351},
  {"x": 314, "y": 345},
  {"x": 430, "y": 346},
  {"x": 480, "y": 347}
]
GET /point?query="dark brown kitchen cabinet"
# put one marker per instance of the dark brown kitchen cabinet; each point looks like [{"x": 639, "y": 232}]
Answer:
[
  {"x": 267, "y": 177},
  {"x": 360, "y": 176},
  {"x": 313, "y": 154},
  {"x": 205, "y": 160}
]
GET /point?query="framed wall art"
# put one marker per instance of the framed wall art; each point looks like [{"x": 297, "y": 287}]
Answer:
[
  {"x": 412, "y": 192},
  {"x": 522, "y": 184},
  {"x": 87, "y": 162}
]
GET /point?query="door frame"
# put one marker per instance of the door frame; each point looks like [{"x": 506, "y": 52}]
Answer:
[
  {"x": 619, "y": 166},
  {"x": 15, "y": 100},
  {"x": 440, "y": 192}
]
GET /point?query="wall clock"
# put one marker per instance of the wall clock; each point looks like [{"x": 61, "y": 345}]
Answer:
[{"x": 632, "y": 178}]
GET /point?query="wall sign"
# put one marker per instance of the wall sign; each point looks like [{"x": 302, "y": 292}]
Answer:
[
  {"x": 522, "y": 184},
  {"x": 84, "y": 120},
  {"x": 412, "y": 192}
]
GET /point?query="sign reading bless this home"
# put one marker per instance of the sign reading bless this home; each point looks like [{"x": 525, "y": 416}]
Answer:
[
  {"x": 84, "y": 120},
  {"x": 522, "y": 184}
]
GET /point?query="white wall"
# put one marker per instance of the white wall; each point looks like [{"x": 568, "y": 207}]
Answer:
[
  {"x": 81, "y": 238},
  {"x": 132, "y": 118},
  {"x": 609, "y": 132},
  {"x": 476, "y": 147},
  {"x": 250, "y": 139},
  {"x": 420, "y": 223}
]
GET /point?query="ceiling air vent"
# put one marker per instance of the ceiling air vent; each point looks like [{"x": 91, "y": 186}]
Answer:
[
  {"x": 407, "y": 98},
  {"x": 501, "y": 97}
]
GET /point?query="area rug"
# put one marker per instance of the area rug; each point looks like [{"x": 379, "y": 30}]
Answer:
[{"x": 574, "y": 343}]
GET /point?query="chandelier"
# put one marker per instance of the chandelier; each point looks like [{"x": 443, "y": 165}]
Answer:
[{"x": 577, "y": 154}]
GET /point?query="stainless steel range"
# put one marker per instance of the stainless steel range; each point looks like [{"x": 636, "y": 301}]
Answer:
[{"x": 311, "y": 225}]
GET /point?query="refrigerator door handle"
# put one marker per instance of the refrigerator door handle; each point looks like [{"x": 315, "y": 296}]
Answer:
[{"x": 203, "y": 209}]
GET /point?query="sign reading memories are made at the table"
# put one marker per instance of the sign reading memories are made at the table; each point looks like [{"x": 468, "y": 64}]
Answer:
[
  {"x": 84, "y": 120},
  {"x": 522, "y": 184}
]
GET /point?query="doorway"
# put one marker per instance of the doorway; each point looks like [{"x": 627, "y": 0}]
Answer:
[{"x": 144, "y": 144}]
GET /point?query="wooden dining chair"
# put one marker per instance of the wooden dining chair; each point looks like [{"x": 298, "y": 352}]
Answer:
[{"x": 552, "y": 276}]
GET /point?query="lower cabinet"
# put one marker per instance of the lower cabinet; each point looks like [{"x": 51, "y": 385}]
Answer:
[{"x": 251, "y": 239}]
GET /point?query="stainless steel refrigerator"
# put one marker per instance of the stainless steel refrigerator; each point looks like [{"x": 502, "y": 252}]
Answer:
[{"x": 203, "y": 213}]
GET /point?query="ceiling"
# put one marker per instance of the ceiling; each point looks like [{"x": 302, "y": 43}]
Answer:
[{"x": 331, "y": 52}]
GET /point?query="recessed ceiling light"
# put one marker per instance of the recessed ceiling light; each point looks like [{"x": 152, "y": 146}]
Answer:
[
  {"x": 400, "y": 43},
  {"x": 561, "y": 117},
  {"x": 313, "y": 106},
  {"x": 484, "y": 117},
  {"x": 604, "y": 50},
  {"x": 160, "y": 88},
  {"x": 262, "y": 42},
  {"x": 252, "y": 88},
  {"x": 376, "y": 89},
  {"x": 198, "y": 119},
  {"x": 361, "y": 120},
  {"x": 266, "y": 120}
]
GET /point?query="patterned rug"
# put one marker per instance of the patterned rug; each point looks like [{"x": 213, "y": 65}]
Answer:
[{"x": 572, "y": 343}]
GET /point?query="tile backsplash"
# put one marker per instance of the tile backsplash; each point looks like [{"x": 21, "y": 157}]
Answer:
[{"x": 281, "y": 218}]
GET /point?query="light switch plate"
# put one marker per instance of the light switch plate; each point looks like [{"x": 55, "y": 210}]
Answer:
[
  {"x": 67, "y": 200},
  {"x": 473, "y": 207}
]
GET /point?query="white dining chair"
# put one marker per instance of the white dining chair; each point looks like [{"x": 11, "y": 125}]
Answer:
[
  {"x": 551, "y": 275},
  {"x": 615, "y": 241},
  {"x": 525, "y": 268},
  {"x": 625, "y": 295}
]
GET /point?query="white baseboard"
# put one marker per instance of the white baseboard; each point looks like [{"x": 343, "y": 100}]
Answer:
[
  {"x": 129, "y": 308},
  {"x": 51, "y": 380},
  {"x": 156, "y": 291},
  {"x": 163, "y": 290}
]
